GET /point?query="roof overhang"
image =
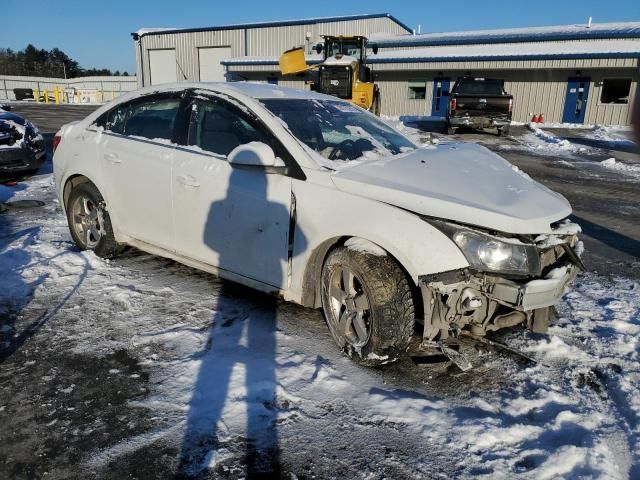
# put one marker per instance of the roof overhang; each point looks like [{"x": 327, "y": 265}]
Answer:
[{"x": 282, "y": 23}]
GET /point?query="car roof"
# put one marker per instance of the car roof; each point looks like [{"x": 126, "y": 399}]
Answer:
[{"x": 259, "y": 91}]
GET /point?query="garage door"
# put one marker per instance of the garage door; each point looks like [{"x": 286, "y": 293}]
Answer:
[
  {"x": 211, "y": 70},
  {"x": 162, "y": 64}
]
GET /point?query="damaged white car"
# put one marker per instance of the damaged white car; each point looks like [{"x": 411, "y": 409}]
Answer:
[{"x": 312, "y": 198}]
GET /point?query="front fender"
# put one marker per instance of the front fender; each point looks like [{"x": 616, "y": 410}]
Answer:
[{"x": 326, "y": 215}]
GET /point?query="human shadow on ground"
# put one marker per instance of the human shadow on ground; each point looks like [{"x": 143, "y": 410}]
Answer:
[{"x": 236, "y": 382}]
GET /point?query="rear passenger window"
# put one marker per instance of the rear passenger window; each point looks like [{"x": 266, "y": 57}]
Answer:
[
  {"x": 219, "y": 127},
  {"x": 153, "y": 119}
]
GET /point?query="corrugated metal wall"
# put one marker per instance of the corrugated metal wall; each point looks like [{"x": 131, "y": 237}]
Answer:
[
  {"x": 534, "y": 91},
  {"x": 538, "y": 86},
  {"x": 610, "y": 114},
  {"x": 264, "y": 41},
  {"x": 551, "y": 44}
]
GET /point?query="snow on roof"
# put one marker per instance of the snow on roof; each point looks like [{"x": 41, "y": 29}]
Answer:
[
  {"x": 277, "y": 23},
  {"x": 516, "y": 51},
  {"x": 499, "y": 51},
  {"x": 529, "y": 34}
]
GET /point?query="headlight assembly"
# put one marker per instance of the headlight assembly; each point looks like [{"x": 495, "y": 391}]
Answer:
[{"x": 491, "y": 254}]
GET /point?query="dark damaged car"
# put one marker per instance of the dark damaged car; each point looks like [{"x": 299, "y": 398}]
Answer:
[{"x": 22, "y": 149}]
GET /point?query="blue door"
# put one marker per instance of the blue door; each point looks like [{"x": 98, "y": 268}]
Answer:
[
  {"x": 575, "y": 102},
  {"x": 439, "y": 103}
]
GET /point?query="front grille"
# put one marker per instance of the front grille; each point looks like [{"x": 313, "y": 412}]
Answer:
[{"x": 336, "y": 80}]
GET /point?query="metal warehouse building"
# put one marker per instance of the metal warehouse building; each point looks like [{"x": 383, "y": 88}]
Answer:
[{"x": 570, "y": 73}]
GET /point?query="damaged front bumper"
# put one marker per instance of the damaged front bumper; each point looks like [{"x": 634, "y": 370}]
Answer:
[{"x": 481, "y": 302}]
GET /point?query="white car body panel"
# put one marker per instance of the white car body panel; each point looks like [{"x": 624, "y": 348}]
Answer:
[
  {"x": 170, "y": 212},
  {"x": 235, "y": 219},
  {"x": 462, "y": 182},
  {"x": 143, "y": 208}
]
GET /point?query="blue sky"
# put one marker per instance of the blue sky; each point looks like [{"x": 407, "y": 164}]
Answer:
[{"x": 97, "y": 33}]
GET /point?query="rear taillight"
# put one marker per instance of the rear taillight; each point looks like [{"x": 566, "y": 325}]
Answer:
[
  {"x": 56, "y": 142},
  {"x": 453, "y": 104},
  {"x": 510, "y": 104}
]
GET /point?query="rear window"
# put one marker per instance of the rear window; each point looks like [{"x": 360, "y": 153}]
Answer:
[
  {"x": 477, "y": 86},
  {"x": 153, "y": 118}
]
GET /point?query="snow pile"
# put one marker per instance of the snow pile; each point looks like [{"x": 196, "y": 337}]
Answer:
[
  {"x": 550, "y": 141},
  {"x": 611, "y": 133},
  {"x": 225, "y": 365},
  {"x": 625, "y": 168}
]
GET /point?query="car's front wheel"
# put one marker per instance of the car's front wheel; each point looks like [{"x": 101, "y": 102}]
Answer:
[
  {"x": 368, "y": 305},
  {"x": 89, "y": 221}
]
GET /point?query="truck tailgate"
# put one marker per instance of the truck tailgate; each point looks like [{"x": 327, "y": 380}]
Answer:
[{"x": 482, "y": 104}]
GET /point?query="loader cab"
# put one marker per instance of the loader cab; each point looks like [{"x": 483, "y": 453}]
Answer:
[{"x": 355, "y": 47}]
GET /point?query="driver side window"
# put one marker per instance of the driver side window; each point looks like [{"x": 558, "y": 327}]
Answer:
[{"x": 219, "y": 127}]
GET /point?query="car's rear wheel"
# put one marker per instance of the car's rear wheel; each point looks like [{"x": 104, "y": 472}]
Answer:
[
  {"x": 368, "y": 305},
  {"x": 89, "y": 221}
]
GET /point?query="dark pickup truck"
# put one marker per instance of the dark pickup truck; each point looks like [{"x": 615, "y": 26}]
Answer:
[{"x": 479, "y": 103}]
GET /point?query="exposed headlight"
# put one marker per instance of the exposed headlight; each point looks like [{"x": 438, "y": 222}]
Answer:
[{"x": 490, "y": 254}]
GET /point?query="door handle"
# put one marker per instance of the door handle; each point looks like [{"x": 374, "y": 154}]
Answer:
[
  {"x": 188, "y": 180},
  {"x": 112, "y": 157}
]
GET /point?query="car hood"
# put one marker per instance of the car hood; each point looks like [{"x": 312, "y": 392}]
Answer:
[
  {"x": 12, "y": 117},
  {"x": 462, "y": 182}
]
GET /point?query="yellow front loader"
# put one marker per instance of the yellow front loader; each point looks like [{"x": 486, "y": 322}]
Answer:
[{"x": 342, "y": 72}]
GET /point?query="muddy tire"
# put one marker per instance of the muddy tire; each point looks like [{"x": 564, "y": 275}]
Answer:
[
  {"x": 368, "y": 305},
  {"x": 89, "y": 221}
]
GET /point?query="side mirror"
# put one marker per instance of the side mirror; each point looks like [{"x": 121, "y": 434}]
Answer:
[
  {"x": 374, "y": 49},
  {"x": 256, "y": 155},
  {"x": 319, "y": 48},
  {"x": 445, "y": 93}
]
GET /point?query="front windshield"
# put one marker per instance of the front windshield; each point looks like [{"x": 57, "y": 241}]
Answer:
[
  {"x": 339, "y": 132},
  {"x": 344, "y": 47}
]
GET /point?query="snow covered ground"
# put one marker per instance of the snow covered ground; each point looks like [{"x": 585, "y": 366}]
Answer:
[{"x": 225, "y": 364}]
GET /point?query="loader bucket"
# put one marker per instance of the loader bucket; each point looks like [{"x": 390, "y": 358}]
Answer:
[{"x": 293, "y": 61}]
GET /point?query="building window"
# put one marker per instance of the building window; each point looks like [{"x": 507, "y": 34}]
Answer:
[
  {"x": 417, "y": 90},
  {"x": 615, "y": 90}
]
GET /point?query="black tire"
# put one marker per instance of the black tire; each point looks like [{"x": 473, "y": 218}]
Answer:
[
  {"x": 106, "y": 245},
  {"x": 390, "y": 317}
]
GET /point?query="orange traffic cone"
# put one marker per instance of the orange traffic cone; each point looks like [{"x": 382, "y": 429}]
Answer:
[
  {"x": 541, "y": 120},
  {"x": 535, "y": 118}
]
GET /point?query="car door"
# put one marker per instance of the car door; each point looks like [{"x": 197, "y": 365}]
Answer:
[
  {"x": 233, "y": 218},
  {"x": 136, "y": 154}
]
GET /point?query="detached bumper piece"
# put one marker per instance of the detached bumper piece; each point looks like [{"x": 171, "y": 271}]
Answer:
[{"x": 467, "y": 301}]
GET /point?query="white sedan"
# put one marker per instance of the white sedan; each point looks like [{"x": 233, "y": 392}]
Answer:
[{"x": 307, "y": 196}]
